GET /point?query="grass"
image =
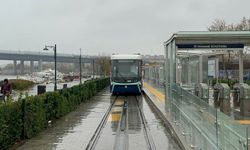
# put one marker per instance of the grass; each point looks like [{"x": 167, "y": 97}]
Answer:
[{"x": 20, "y": 84}]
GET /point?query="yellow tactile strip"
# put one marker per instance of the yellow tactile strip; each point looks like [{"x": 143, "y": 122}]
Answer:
[
  {"x": 154, "y": 91},
  {"x": 247, "y": 122},
  {"x": 161, "y": 97},
  {"x": 114, "y": 117}
]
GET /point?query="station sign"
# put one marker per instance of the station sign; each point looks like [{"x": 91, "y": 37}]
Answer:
[{"x": 209, "y": 46}]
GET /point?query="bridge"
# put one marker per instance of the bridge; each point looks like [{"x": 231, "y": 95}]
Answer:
[
  {"x": 41, "y": 57},
  {"x": 183, "y": 106}
]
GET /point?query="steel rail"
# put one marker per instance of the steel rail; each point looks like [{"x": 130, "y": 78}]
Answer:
[
  {"x": 148, "y": 136},
  {"x": 168, "y": 126},
  {"x": 93, "y": 141},
  {"x": 121, "y": 139}
]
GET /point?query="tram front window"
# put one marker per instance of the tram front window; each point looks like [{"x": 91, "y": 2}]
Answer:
[{"x": 125, "y": 70}]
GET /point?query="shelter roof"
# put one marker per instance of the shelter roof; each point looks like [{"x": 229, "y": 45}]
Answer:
[{"x": 205, "y": 37}]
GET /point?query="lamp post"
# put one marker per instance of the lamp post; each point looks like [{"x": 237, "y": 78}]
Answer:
[
  {"x": 80, "y": 61},
  {"x": 54, "y": 48},
  {"x": 93, "y": 68}
]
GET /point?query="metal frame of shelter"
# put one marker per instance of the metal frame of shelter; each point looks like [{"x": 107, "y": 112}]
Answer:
[
  {"x": 195, "y": 43},
  {"x": 197, "y": 124}
]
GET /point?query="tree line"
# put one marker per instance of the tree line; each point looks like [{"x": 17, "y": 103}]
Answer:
[{"x": 221, "y": 25}]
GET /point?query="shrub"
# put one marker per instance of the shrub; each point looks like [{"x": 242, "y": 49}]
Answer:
[
  {"x": 10, "y": 124},
  {"x": 230, "y": 82},
  {"x": 27, "y": 117},
  {"x": 248, "y": 82}
]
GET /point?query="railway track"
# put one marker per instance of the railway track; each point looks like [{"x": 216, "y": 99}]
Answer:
[
  {"x": 129, "y": 125},
  {"x": 148, "y": 137},
  {"x": 96, "y": 135}
]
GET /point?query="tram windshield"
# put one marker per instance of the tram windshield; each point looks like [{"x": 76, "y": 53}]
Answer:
[{"x": 125, "y": 69}]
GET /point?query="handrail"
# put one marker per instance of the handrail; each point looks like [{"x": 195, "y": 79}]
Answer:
[{"x": 197, "y": 106}]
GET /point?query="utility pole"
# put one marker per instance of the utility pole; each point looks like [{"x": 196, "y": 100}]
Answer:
[
  {"x": 80, "y": 61},
  {"x": 54, "y": 48},
  {"x": 93, "y": 68},
  {"x": 55, "y": 86}
]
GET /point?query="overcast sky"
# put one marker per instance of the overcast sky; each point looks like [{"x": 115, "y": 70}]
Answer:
[{"x": 108, "y": 26}]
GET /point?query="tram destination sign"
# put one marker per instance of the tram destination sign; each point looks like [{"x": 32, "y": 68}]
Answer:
[{"x": 209, "y": 46}]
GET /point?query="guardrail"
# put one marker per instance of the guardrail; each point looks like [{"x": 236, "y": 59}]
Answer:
[{"x": 204, "y": 127}]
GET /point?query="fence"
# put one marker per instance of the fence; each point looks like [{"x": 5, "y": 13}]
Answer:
[{"x": 204, "y": 127}]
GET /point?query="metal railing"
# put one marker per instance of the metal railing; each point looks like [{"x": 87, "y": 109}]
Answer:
[{"x": 202, "y": 126}]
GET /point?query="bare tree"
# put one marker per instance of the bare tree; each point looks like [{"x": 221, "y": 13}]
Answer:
[
  {"x": 243, "y": 25},
  {"x": 104, "y": 63},
  {"x": 218, "y": 25},
  {"x": 221, "y": 25}
]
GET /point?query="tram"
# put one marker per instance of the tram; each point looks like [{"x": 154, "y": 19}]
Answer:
[{"x": 126, "y": 74}]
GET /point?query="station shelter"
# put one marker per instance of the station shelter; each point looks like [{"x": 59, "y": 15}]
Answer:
[{"x": 187, "y": 56}]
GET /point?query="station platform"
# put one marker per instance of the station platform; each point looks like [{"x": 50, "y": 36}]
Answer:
[
  {"x": 235, "y": 110},
  {"x": 157, "y": 96},
  {"x": 158, "y": 93}
]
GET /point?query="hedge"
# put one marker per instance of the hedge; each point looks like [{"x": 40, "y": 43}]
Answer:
[
  {"x": 27, "y": 117},
  {"x": 248, "y": 82},
  {"x": 230, "y": 82}
]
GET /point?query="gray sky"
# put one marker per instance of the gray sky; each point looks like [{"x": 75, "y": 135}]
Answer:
[{"x": 107, "y": 26}]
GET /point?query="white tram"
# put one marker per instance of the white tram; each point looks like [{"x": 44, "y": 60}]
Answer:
[{"x": 126, "y": 74}]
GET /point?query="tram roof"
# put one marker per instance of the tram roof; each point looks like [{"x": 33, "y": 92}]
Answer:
[
  {"x": 126, "y": 57},
  {"x": 210, "y": 37}
]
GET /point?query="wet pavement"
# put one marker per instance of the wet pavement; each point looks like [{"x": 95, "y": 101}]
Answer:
[
  {"x": 160, "y": 133},
  {"x": 75, "y": 129},
  {"x": 107, "y": 138},
  {"x": 135, "y": 127},
  {"x": 133, "y": 136}
]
